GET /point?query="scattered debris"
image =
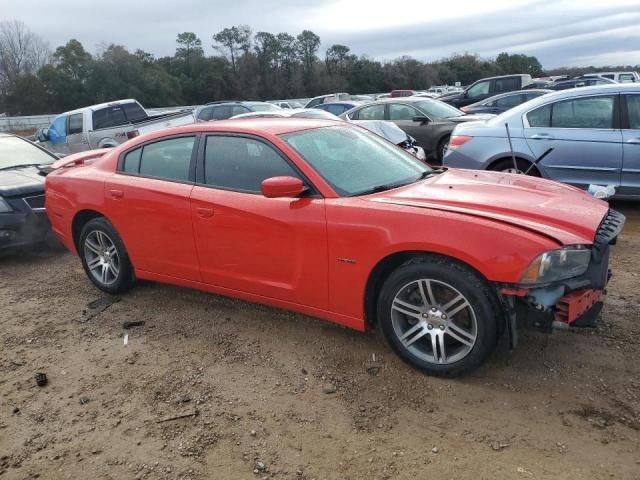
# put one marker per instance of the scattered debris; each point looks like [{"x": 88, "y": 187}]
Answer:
[
  {"x": 126, "y": 339},
  {"x": 253, "y": 433},
  {"x": 96, "y": 307},
  {"x": 193, "y": 413},
  {"x": 497, "y": 446},
  {"x": 434, "y": 450},
  {"x": 137, "y": 323},
  {"x": 261, "y": 466},
  {"x": 84, "y": 400},
  {"x": 41, "y": 379},
  {"x": 329, "y": 388},
  {"x": 16, "y": 410}
]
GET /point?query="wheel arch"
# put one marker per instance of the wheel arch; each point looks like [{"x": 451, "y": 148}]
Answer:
[
  {"x": 492, "y": 163},
  {"x": 387, "y": 265},
  {"x": 80, "y": 219}
]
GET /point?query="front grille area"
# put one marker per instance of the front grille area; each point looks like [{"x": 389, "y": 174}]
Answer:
[
  {"x": 607, "y": 233},
  {"x": 35, "y": 203}
]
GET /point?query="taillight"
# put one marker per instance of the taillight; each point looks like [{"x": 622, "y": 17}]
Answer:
[
  {"x": 457, "y": 141},
  {"x": 464, "y": 109},
  {"x": 132, "y": 134}
]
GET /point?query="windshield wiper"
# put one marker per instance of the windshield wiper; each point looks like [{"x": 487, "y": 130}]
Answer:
[
  {"x": 390, "y": 186},
  {"x": 22, "y": 166}
]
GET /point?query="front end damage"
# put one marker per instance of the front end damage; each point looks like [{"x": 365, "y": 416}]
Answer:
[{"x": 573, "y": 302}]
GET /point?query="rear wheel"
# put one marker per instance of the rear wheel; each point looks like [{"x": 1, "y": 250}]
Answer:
[
  {"x": 442, "y": 148},
  {"x": 506, "y": 165},
  {"x": 437, "y": 315},
  {"x": 104, "y": 257}
]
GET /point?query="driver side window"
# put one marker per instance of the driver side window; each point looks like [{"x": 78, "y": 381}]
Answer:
[
  {"x": 373, "y": 112},
  {"x": 478, "y": 90}
]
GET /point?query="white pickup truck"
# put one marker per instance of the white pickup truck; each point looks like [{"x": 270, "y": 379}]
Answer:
[{"x": 105, "y": 125}]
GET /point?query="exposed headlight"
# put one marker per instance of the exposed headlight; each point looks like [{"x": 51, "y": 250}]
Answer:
[
  {"x": 557, "y": 265},
  {"x": 4, "y": 206}
]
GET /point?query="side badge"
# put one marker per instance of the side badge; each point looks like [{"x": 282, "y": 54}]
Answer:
[{"x": 346, "y": 260}]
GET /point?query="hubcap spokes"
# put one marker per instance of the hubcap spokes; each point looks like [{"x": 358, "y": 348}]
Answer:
[
  {"x": 434, "y": 321},
  {"x": 101, "y": 257}
]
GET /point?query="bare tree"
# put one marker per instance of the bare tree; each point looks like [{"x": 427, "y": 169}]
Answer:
[{"x": 21, "y": 52}]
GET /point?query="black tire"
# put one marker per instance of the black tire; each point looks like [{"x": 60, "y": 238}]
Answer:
[
  {"x": 456, "y": 358},
  {"x": 116, "y": 283},
  {"x": 442, "y": 147},
  {"x": 506, "y": 165}
]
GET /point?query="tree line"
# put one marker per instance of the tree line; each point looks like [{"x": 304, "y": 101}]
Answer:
[{"x": 246, "y": 65}]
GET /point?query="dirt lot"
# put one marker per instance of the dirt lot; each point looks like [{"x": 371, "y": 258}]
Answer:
[{"x": 280, "y": 395}]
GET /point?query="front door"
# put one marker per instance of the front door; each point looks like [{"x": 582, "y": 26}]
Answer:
[
  {"x": 272, "y": 247},
  {"x": 148, "y": 198},
  {"x": 403, "y": 116},
  {"x": 586, "y": 143},
  {"x": 630, "y": 183},
  {"x": 76, "y": 137}
]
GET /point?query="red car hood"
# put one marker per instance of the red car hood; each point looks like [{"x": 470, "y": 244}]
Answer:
[{"x": 564, "y": 213}]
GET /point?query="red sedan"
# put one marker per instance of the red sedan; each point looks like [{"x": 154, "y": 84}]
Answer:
[{"x": 330, "y": 220}]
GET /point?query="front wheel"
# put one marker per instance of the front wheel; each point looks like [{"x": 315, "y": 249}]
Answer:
[
  {"x": 438, "y": 315},
  {"x": 520, "y": 167},
  {"x": 104, "y": 257},
  {"x": 443, "y": 145}
]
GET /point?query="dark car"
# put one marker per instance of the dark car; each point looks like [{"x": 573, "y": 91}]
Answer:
[
  {"x": 485, "y": 88},
  {"x": 338, "y": 108},
  {"x": 580, "y": 82},
  {"x": 22, "y": 214},
  {"x": 224, "y": 110},
  {"x": 429, "y": 121},
  {"x": 503, "y": 102}
]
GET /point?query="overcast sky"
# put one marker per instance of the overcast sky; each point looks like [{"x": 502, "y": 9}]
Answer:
[{"x": 559, "y": 33}]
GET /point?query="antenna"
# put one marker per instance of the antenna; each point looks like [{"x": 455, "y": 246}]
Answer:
[{"x": 513, "y": 155}]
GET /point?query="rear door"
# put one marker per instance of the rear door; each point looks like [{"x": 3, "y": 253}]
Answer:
[
  {"x": 630, "y": 183},
  {"x": 272, "y": 247},
  {"x": 148, "y": 199},
  {"x": 584, "y": 136}
]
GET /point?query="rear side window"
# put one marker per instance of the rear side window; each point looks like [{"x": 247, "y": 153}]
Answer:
[
  {"x": 75, "y": 123},
  {"x": 335, "y": 109},
  {"x": 238, "y": 109},
  {"x": 509, "y": 101},
  {"x": 131, "y": 162},
  {"x": 374, "y": 112},
  {"x": 540, "y": 117},
  {"x": 592, "y": 112},
  {"x": 241, "y": 164},
  {"x": 167, "y": 159},
  {"x": 109, "y": 117},
  {"x": 222, "y": 113},
  {"x": 205, "y": 113},
  {"x": 134, "y": 112},
  {"x": 402, "y": 112},
  {"x": 478, "y": 90},
  {"x": 633, "y": 107},
  {"x": 507, "y": 84}
]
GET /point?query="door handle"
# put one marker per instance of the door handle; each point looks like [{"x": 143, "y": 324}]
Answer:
[
  {"x": 117, "y": 194},
  {"x": 204, "y": 212},
  {"x": 634, "y": 141},
  {"x": 541, "y": 136}
]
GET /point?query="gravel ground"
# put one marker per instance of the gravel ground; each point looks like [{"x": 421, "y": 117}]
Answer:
[{"x": 269, "y": 394}]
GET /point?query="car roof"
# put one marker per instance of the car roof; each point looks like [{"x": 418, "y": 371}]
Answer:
[
  {"x": 516, "y": 92},
  {"x": 611, "y": 88},
  {"x": 102, "y": 105},
  {"x": 258, "y": 126}
]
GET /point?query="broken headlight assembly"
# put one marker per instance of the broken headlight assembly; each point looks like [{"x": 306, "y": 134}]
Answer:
[
  {"x": 4, "y": 206},
  {"x": 567, "y": 262}
]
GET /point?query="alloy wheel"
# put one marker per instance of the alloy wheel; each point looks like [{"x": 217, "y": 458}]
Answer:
[
  {"x": 102, "y": 257},
  {"x": 434, "y": 321}
]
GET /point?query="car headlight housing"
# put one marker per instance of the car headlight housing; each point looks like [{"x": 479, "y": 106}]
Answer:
[
  {"x": 557, "y": 265},
  {"x": 4, "y": 206}
]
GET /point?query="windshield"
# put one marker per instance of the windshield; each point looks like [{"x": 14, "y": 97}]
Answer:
[
  {"x": 15, "y": 152},
  {"x": 438, "y": 109},
  {"x": 355, "y": 161},
  {"x": 264, "y": 107}
]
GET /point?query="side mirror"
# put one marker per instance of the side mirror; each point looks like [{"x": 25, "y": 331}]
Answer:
[
  {"x": 422, "y": 119},
  {"x": 282, "y": 187},
  {"x": 43, "y": 134}
]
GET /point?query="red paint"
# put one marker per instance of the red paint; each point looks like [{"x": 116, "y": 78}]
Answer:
[
  {"x": 286, "y": 251},
  {"x": 571, "y": 307}
]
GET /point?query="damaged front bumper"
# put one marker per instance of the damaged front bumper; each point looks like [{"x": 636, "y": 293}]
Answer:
[{"x": 576, "y": 301}]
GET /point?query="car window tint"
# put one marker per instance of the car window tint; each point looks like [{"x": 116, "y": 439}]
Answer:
[
  {"x": 109, "y": 117},
  {"x": 335, "y": 109},
  {"x": 222, "y": 112},
  {"x": 238, "y": 109},
  {"x": 633, "y": 107},
  {"x": 509, "y": 101},
  {"x": 75, "y": 123},
  {"x": 402, "y": 112},
  {"x": 241, "y": 164},
  {"x": 540, "y": 117},
  {"x": 134, "y": 112},
  {"x": 131, "y": 163},
  {"x": 591, "y": 112},
  {"x": 506, "y": 84},
  {"x": 168, "y": 159},
  {"x": 610, "y": 76},
  {"x": 373, "y": 112},
  {"x": 478, "y": 90},
  {"x": 626, "y": 78}
]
